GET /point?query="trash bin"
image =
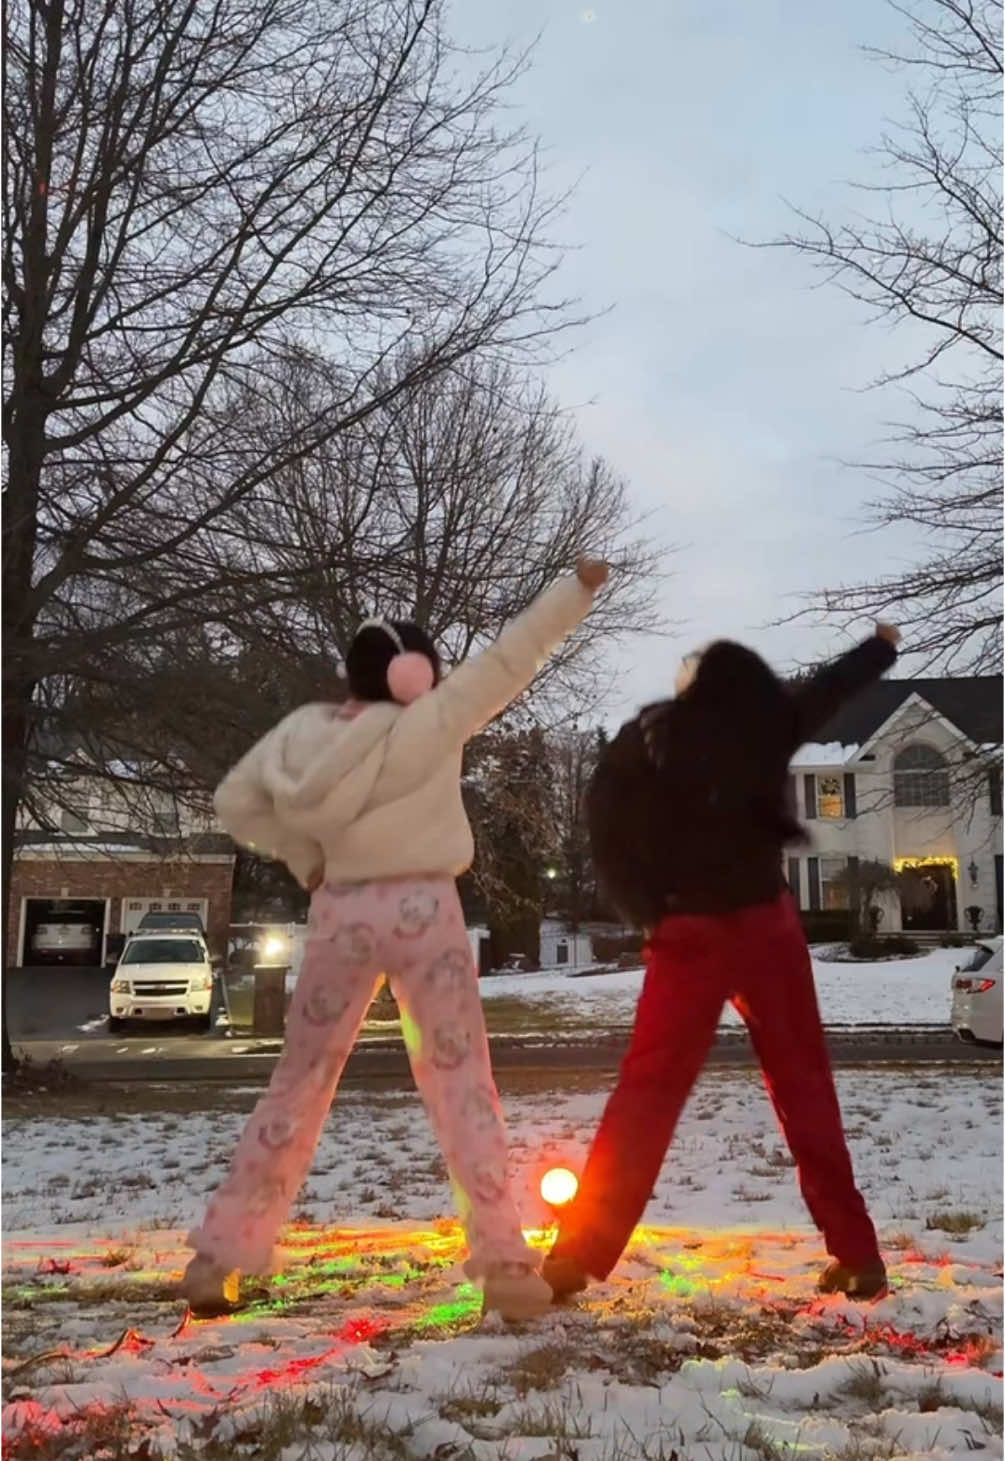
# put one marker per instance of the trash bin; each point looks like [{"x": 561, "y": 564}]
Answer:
[
  {"x": 269, "y": 1009},
  {"x": 220, "y": 1022}
]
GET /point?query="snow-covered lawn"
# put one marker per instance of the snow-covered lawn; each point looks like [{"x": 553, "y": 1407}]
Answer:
[
  {"x": 894, "y": 992},
  {"x": 708, "y": 1342}
]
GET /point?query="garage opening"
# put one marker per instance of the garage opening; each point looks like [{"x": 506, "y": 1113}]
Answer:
[
  {"x": 133, "y": 909},
  {"x": 63, "y": 931}
]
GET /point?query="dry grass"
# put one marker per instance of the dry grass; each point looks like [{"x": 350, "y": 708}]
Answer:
[{"x": 957, "y": 1223}]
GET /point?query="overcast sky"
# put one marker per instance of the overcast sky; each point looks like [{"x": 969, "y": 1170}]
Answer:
[{"x": 725, "y": 382}]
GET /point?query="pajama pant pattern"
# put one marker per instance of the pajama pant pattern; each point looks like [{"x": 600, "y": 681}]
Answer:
[{"x": 413, "y": 931}]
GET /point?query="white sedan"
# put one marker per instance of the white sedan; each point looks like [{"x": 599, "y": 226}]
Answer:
[{"x": 977, "y": 995}]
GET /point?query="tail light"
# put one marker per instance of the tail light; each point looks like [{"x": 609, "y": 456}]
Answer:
[{"x": 975, "y": 986}]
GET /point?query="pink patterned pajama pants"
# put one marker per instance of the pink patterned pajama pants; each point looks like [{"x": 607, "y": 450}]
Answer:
[{"x": 413, "y": 931}]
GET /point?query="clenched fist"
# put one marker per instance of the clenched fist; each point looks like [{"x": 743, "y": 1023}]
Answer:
[
  {"x": 889, "y": 632},
  {"x": 592, "y": 573}
]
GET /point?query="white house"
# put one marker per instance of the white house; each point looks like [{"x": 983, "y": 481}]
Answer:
[{"x": 909, "y": 774}]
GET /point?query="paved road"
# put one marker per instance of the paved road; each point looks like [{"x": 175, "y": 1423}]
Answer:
[
  {"x": 161, "y": 1057},
  {"x": 61, "y": 1014},
  {"x": 57, "y": 1004}
]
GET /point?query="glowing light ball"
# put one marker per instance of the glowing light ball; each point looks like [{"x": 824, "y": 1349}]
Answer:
[{"x": 559, "y": 1186}]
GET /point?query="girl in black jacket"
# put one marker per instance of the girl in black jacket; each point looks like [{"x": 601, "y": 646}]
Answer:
[{"x": 689, "y": 816}]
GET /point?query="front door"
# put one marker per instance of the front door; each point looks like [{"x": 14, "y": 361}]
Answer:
[{"x": 928, "y": 898}]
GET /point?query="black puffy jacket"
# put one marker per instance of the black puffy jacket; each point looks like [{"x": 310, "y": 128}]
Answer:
[{"x": 688, "y": 808}]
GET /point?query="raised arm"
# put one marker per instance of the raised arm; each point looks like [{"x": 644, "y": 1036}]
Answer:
[
  {"x": 483, "y": 685},
  {"x": 824, "y": 694}
]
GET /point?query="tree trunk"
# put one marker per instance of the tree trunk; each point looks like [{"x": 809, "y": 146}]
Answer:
[{"x": 14, "y": 744}]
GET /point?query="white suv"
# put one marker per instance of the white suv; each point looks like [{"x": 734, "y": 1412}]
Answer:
[{"x": 165, "y": 974}]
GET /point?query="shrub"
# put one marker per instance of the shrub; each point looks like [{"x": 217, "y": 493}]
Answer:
[
  {"x": 827, "y": 925},
  {"x": 868, "y": 947}
]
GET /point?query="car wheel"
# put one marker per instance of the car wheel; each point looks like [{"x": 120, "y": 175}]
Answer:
[
  {"x": 204, "y": 1022},
  {"x": 115, "y": 1025}
]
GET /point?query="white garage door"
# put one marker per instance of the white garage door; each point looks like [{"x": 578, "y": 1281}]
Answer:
[{"x": 133, "y": 909}]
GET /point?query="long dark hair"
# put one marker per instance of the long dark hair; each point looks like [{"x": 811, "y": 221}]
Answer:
[
  {"x": 735, "y": 698},
  {"x": 373, "y": 649}
]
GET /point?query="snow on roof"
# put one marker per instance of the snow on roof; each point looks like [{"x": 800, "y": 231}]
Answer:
[
  {"x": 102, "y": 849},
  {"x": 816, "y": 753}
]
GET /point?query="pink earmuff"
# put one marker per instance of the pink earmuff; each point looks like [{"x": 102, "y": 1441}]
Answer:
[{"x": 409, "y": 675}]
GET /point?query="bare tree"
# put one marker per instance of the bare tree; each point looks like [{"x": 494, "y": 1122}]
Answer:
[
  {"x": 507, "y": 796},
  {"x": 930, "y": 258},
  {"x": 573, "y": 755},
  {"x": 454, "y": 505},
  {"x": 194, "y": 196}
]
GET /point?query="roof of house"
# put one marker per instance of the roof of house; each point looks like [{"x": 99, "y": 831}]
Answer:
[
  {"x": 109, "y": 844},
  {"x": 973, "y": 705}
]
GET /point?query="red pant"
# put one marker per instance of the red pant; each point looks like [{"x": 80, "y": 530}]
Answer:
[{"x": 757, "y": 958}]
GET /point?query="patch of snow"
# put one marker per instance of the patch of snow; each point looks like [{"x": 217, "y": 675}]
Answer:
[
  {"x": 887, "y": 992},
  {"x": 828, "y": 753},
  {"x": 373, "y": 1315}
]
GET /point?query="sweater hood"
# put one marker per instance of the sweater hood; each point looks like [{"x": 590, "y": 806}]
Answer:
[{"x": 327, "y": 763}]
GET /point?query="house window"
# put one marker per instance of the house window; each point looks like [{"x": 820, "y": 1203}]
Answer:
[
  {"x": 163, "y": 815},
  {"x": 833, "y": 885},
  {"x": 830, "y": 796},
  {"x": 920, "y": 778},
  {"x": 75, "y": 822}
]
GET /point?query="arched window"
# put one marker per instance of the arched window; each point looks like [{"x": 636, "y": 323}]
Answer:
[{"x": 920, "y": 778}]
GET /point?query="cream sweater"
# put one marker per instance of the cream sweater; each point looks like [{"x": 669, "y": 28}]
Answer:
[{"x": 379, "y": 795}]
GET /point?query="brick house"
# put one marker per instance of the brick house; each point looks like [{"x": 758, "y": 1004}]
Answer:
[{"x": 120, "y": 852}]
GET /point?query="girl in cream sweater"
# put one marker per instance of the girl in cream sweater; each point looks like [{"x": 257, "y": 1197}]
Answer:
[{"x": 363, "y": 803}]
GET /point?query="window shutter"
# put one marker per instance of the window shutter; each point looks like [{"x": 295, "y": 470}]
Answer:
[
  {"x": 995, "y": 793},
  {"x": 793, "y": 881},
  {"x": 854, "y": 897},
  {"x": 850, "y": 806},
  {"x": 810, "y": 792},
  {"x": 813, "y": 880}
]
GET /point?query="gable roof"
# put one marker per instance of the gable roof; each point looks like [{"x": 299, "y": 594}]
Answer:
[{"x": 973, "y": 705}]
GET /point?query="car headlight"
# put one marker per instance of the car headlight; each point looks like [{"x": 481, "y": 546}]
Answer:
[
  {"x": 121, "y": 986},
  {"x": 202, "y": 981}
]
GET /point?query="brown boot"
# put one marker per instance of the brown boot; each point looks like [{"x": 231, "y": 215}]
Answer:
[
  {"x": 866, "y": 1282},
  {"x": 516, "y": 1291},
  {"x": 564, "y": 1276}
]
